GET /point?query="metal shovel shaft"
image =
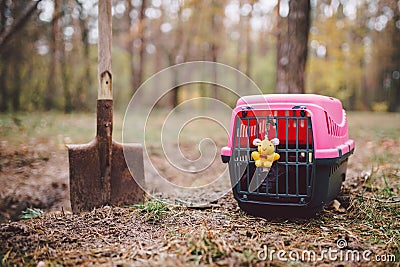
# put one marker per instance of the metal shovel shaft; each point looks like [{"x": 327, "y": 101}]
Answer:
[
  {"x": 104, "y": 144},
  {"x": 104, "y": 97}
]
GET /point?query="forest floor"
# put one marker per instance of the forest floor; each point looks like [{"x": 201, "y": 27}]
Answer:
[{"x": 34, "y": 174}]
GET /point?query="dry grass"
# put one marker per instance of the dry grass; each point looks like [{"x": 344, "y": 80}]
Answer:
[{"x": 154, "y": 234}]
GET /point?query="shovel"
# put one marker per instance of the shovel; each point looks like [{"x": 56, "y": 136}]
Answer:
[{"x": 98, "y": 172}]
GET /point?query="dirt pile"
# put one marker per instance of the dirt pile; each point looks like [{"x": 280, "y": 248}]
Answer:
[{"x": 32, "y": 176}]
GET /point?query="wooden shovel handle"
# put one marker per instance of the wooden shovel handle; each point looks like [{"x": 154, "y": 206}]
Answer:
[
  {"x": 104, "y": 99},
  {"x": 104, "y": 50}
]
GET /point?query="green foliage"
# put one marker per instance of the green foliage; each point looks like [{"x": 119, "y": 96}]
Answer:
[
  {"x": 355, "y": 58},
  {"x": 380, "y": 106},
  {"x": 153, "y": 210},
  {"x": 206, "y": 248},
  {"x": 122, "y": 88},
  {"x": 30, "y": 213},
  {"x": 380, "y": 210},
  {"x": 336, "y": 58},
  {"x": 264, "y": 72}
]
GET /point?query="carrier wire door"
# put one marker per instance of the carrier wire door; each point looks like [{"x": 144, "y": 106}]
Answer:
[{"x": 290, "y": 179}]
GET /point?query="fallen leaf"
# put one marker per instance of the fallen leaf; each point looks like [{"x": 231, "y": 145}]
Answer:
[{"x": 337, "y": 206}]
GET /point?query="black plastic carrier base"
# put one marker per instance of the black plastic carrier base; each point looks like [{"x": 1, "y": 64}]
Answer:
[{"x": 330, "y": 173}]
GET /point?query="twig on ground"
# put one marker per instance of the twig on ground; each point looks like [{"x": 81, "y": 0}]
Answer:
[{"x": 391, "y": 200}]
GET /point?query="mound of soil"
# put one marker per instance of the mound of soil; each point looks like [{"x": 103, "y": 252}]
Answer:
[{"x": 32, "y": 176}]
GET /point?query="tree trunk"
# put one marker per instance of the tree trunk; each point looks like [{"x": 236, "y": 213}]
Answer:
[
  {"x": 87, "y": 79},
  {"x": 3, "y": 17},
  {"x": 131, "y": 47},
  {"x": 292, "y": 41},
  {"x": 54, "y": 81},
  {"x": 175, "y": 89},
  {"x": 3, "y": 86},
  {"x": 79, "y": 100},
  {"x": 248, "y": 45},
  {"x": 282, "y": 57},
  {"x": 66, "y": 83},
  {"x": 172, "y": 57},
  {"x": 137, "y": 56},
  {"x": 394, "y": 100},
  {"x": 16, "y": 91},
  {"x": 214, "y": 48},
  {"x": 249, "y": 53},
  {"x": 19, "y": 22},
  {"x": 142, "y": 48},
  {"x": 239, "y": 46}
]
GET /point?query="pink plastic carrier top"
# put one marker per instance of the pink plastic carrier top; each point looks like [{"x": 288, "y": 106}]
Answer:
[{"x": 328, "y": 132}]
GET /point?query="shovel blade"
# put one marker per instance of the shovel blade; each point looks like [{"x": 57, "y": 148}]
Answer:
[
  {"x": 89, "y": 190},
  {"x": 125, "y": 186}
]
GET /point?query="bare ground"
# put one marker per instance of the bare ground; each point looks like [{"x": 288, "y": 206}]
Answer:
[{"x": 366, "y": 216}]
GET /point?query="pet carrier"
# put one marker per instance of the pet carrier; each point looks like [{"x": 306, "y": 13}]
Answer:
[{"x": 301, "y": 173}]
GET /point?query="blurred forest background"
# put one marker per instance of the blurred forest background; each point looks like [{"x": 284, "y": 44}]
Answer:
[{"x": 48, "y": 48}]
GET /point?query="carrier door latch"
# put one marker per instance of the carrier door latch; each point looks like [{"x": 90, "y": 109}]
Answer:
[
  {"x": 244, "y": 111},
  {"x": 302, "y": 108},
  {"x": 299, "y": 107}
]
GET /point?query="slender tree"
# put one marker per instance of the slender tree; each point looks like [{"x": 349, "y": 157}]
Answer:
[
  {"x": 54, "y": 80},
  {"x": 171, "y": 50},
  {"x": 14, "y": 18},
  {"x": 85, "y": 76},
  {"x": 3, "y": 86},
  {"x": 292, "y": 41},
  {"x": 7, "y": 32},
  {"x": 394, "y": 73},
  {"x": 143, "y": 43},
  {"x": 138, "y": 44}
]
